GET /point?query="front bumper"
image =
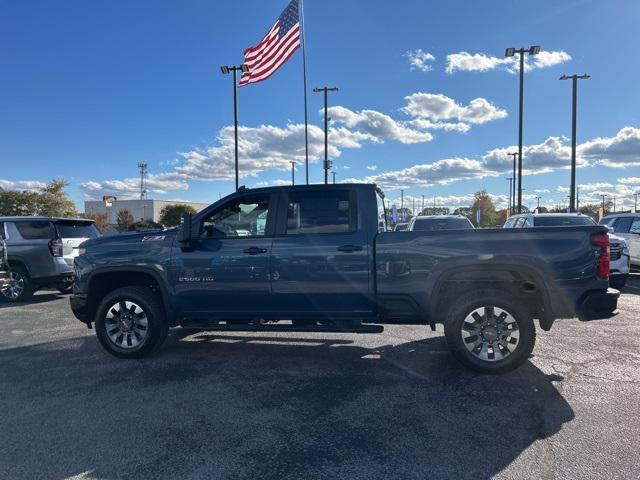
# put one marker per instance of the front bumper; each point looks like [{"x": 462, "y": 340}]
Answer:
[
  {"x": 79, "y": 307},
  {"x": 599, "y": 305}
]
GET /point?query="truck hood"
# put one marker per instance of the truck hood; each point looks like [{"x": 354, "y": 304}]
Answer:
[{"x": 149, "y": 236}]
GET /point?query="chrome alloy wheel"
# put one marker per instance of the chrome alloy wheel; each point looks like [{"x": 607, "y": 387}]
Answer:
[
  {"x": 127, "y": 325},
  {"x": 490, "y": 333},
  {"x": 16, "y": 286}
]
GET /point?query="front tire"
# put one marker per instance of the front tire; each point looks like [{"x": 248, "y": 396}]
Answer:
[
  {"x": 21, "y": 288},
  {"x": 489, "y": 332},
  {"x": 130, "y": 322}
]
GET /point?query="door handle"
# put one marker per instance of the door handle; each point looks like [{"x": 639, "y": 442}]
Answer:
[
  {"x": 254, "y": 250},
  {"x": 350, "y": 248}
]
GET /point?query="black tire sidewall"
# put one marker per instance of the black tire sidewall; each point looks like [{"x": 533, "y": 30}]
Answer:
[
  {"x": 149, "y": 302},
  {"x": 468, "y": 303}
]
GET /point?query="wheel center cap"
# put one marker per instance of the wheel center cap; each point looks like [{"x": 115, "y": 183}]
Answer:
[
  {"x": 125, "y": 324},
  {"x": 490, "y": 333}
]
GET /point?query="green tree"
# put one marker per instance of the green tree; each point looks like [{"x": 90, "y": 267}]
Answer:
[
  {"x": 54, "y": 201},
  {"x": 171, "y": 214},
  {"x": 18, "y": 202},
  {"x": 482, "y": 203},
  {"x": 124, "y": 219}
]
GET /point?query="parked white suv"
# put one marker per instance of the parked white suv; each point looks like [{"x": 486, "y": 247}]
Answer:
[
  {"x": 618, "y": 250},
  {"x": 627, "y": 226}
]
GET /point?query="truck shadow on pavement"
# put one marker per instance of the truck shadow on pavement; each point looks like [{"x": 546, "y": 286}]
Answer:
[
  {"x": 35, "y": 300},
  {"x": 214, "y": 405}
]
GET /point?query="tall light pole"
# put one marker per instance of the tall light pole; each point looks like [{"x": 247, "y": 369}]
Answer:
[
  {"x": 423, "y": 203},
  {"x": 538, "y": 199},
  {"x": 574, "y": 79},
  {"x": 635, "y": 202},
  {"x": 513, "y": 197},
  {"x": 334, "y": 175},
  {"x": 614, "y": 204},
  {"x": 510, "y": 180},
  {"x": 402, "y": 203},
  {"x": 293, "y": 172},
  {"x": 225, "y": 69},
  {"x": 327, "y": 164},
  {"x": 510, "y": 52},
  {"x": 603, "y": 197}
]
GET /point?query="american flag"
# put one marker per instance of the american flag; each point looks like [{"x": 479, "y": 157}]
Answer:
[{"x": 277, "y": 46}]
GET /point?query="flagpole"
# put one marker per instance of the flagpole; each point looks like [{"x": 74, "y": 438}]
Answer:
[{"x": 304, "y": 75}]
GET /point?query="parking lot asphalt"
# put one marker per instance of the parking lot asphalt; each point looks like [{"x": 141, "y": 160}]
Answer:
[{"x": 291, "y": 406}]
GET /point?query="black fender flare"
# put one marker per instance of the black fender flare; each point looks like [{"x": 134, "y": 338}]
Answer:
[{"x": 164, "y": 294}]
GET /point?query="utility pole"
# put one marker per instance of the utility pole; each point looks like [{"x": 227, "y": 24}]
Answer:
[
  {"x": 423, "y": 202},
  {"x": 293, "y": 172},
  {"x": 574, "y": 78},
  {"x": 402, "y": 203},
  {"x": 513, "y": 197},
  {"x": 577, "y": 199},
  {"x": 434, "y": 204},
  {"x": 142, "y": 167},
  {"x": 538, "y": 199},
  {"x": 510, "y": 52},
  {"x": 226, "y": 69},
  {"x": 614, "y": 204},
  {"x": 510, "y": 180},
  {"x": 327, "y": 164},
  {"x": 635, "y": 202},
  {"x": 334, "y": 176},
  {"x": 603, "y": 197},
  {"x": 414, "y": 207}
]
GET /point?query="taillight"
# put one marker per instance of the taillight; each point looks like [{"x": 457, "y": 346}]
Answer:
[
  {"x": 603, "y": 260},
  {"x": 55, "y": 247}
]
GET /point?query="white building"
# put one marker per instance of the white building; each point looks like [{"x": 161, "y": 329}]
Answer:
[{"x": 140, "y": 209}]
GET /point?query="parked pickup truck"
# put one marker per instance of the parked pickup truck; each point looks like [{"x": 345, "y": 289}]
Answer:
[{"x": 310, "y": 258}]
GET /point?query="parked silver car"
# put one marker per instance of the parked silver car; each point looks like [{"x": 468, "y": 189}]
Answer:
[
  {"x": 618, "y": 249},
  {"x": 627, "y": 226},
  {"x": 40, "y": 252}
]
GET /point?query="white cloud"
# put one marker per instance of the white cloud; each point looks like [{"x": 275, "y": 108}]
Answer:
[
  {"x": 622, "y": 150},
  {"x": 377, "y": 126},
  {"x": 553, "y": 153},
  {"x": 419, "y": 60},
  {"x": 590, "y": 187},
  {"x": 542, "y": 190},
  {"x": 630, "y": 180},
  {"x": 373, "y": 168},
  {"x": 480, "y": 62},
  {"x": 437, "y": 107},
  {"x": 129, "y": 188},
  {"x": 440, "y": 172},
  {"x": 21, "y": 184}
]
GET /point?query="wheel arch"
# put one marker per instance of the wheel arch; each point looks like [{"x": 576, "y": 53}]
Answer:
[
  {"x": 527, "y": 280},
  {"x": 106, "y": 280}
]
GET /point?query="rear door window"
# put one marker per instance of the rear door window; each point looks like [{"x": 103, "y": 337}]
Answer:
[
  {"x": 76, "y": 229},
  {"x": 622, "y": 225},
  {"x": 321, "y": 212},
  {"x": 635, "y": 226},
  {"x": 35, "y": 230}
]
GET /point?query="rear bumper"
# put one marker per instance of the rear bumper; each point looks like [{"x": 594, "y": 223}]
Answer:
[
  {"x": 599, "y": 305},
  {"x": 79, "y": 307}
]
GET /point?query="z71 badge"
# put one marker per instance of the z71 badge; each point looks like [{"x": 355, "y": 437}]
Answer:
[{"x": 153, "y": 238}]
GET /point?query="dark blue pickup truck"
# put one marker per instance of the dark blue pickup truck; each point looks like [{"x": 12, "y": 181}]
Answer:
[{"x": 311, "y": 258}]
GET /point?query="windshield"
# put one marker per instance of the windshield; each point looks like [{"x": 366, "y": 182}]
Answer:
[
  {"x": 563, "y": 221},
  {"x": 442, "y": 224},
  {"x": 76, "y": 229}
]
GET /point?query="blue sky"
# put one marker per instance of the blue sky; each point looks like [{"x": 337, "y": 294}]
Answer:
[{"x": 89, "y": 89}]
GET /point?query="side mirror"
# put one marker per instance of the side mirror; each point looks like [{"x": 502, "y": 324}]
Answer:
[
  {"x": 611, "y": 229},
  {"x": 184, "y": 235}
]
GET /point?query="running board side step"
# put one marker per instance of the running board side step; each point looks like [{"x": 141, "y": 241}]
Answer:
[{"x": 283, "y": 328}]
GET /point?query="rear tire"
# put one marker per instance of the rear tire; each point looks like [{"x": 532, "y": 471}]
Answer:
[
  {"x": 131, "y": 322},
  {"x": 21, "y": 288},
  {"x": 489, "y": 331}
]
